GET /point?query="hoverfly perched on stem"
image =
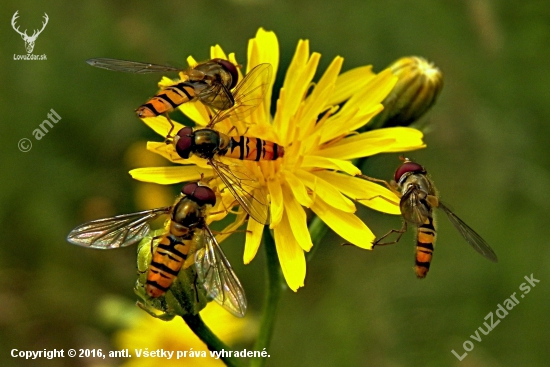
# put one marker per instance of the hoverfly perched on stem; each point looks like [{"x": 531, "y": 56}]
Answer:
[
  {"x": 215, "y": 146},
  {"x": 418, "y": 198},
  {"x": 188, "y": 241},
  {"x": 210, "y": 82}
]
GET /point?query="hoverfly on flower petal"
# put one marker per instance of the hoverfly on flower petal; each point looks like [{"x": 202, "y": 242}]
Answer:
[
  {"x": 215, "y": 146},
  {"x": 418, "y": 198},
  {"x": 188, "y": 241},
  {"x": 209, "y": 82}
]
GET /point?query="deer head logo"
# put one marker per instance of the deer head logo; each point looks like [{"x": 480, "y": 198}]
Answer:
[{"x": 29, "y": 40}]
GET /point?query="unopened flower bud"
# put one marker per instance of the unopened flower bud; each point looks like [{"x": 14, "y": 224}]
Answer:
[{"x": 418, "y": 86}]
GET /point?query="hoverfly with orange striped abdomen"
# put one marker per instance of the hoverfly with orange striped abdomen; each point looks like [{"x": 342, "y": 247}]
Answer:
[
  {"x": 188, "y": 241},
  {"x": 210, "y": 82},
  {"x": 418, "y": 198},
  {"x": 215, "y": 146}
]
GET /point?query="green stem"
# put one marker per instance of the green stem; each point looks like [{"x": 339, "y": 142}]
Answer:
[
  {"x": 274, "y": 287},
  {"x": 317, "y": 230},
  {"x": 198, "y": 326}
]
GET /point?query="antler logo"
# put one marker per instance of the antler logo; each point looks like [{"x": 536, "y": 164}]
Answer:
[{"x": 29, "y": 40}]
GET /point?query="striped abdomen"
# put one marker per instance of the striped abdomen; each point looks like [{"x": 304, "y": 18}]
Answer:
[
  {"x": 425, "y": 240},
  {"x": 167, "y": 99},
  {"x": 252, "y": 149},
  {"x": 166, "y": 263}
]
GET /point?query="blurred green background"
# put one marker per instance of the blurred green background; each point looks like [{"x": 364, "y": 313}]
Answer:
[{"x": 487, "y": 153}]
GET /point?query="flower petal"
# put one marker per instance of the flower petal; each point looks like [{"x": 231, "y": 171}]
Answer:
[
  {"x": 365, "y": 192},
  {"x": 191, "y": 62},
  {"x": 346, "y": 225},
  {"x": 297, "y": 219},
  {"x": 197, "y": 112},
  {"x": 393, "y": 139},
  {"x": 349, "y": 83},
  {"x": 254, "y": 231},
  {"x": 329, "y": 193},
  {"x": 264, "y": 48},
  {"x": 374, "y": 92},
  {"x": 166, "y": 82},
  {"x": 276, "y": 206},
  {"x": 345, "y": 122},
  {"x": 298, "y": 188},
  {"x": 359, "y": 109},
  {"x": 170, "y": 175},
  {"x": 161, "y": 125},
  {"x": 167, "y": 151},
  {"x": 297, "y": 81},
  {"x": 311, "y": 161},
  {"x": 216, "y": 52},
  {"x": 316, "y": 101},
  {"x": 291, "y": 256},
  {"x": 232, "y": 227}
]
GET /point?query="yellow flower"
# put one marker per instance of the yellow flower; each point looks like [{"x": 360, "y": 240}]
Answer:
[
  {"x": 316, "y": 123},
  {"x": 151, "y": 334}
]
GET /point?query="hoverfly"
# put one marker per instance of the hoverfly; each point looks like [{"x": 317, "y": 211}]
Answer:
[
  {"x": 418, "y": 199},
  {"x": 213, "y": 145},
  {"x": 189, "y": 240},
  {"x": 209, "y": 82}
]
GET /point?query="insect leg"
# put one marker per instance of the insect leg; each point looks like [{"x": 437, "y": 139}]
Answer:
[
  {"x": 168, "y": 139},
  {"x": 390, "y": 186},
  {"x": 403, "y": 229},
  {"x": 381, "y": 197}
]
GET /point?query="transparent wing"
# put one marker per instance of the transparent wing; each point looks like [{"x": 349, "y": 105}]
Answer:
[
  {"x": 414, "y": 209},
  {"x": 130, "y": 66},
  {"x": 243, "y": 186},
  {"x": 217, "y": 96},
  {"x": 247, "y": 95},
  {"x": 217, "y": 276},
  {"x": 470, "y": 235},
  {"x": 120, "y": 231}
]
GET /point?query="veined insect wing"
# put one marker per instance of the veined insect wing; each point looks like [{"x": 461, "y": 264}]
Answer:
[
  {"x": 222, "y": 76},
  {"x": 471, "y": 236},
  {"x": 119, "y": 231},
  {"x": 130, "y": 66},
  {"x": 248, "y": 95},
  {"x": 217, "y": 276},
  {"x": 243, "y": 186},
  {"x": 412, "y": 208}
]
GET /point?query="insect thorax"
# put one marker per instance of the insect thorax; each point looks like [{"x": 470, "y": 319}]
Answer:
[
  {"x": 211, "y": 73},
  {"x": 419, "y": 180},
  {"x": 206, "y": 143},
  {"x": 186, "y": 216}
]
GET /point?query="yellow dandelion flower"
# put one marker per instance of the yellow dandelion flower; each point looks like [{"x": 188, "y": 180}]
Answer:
[{"x": 316, "y": 124}]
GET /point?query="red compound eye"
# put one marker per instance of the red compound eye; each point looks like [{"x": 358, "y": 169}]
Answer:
[
  {"x": 184, "y": 144},
  {"x": 189, "y": 189},
  {"x": 231, "y": 69},
  {"x": 202, "y": 194},
  {"x": 205, "y": 195},
  {"x": 408, "y": 167}
]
